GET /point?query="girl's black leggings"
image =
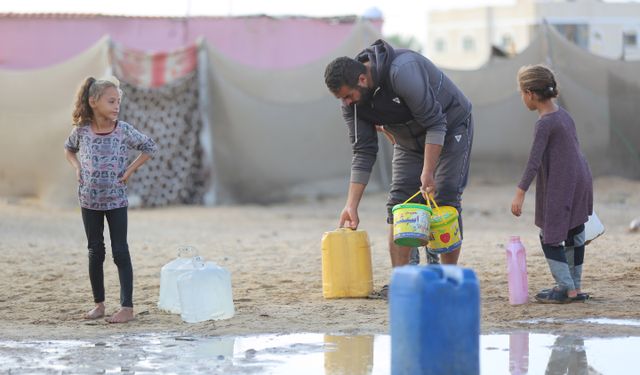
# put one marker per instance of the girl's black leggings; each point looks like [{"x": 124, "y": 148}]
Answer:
[{"x": 94, "y": 228}]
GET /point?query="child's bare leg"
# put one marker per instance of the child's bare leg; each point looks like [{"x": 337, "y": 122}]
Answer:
[
  {"x": 125, "y": 314},
  {"x": 96, "y": 312}
]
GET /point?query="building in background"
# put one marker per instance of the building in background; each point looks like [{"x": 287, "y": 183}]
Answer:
[{"x": 468, "y": 38}]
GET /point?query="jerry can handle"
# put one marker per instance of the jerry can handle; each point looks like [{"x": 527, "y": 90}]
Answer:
[
  {"x": 198, "y": 262},
  {"x": 187, "y": 252}
]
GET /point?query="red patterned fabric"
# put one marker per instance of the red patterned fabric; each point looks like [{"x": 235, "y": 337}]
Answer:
[{"x": 153, "y": 69}]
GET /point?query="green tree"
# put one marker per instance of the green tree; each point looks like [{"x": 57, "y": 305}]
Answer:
[{"x": 402, "y": 41}]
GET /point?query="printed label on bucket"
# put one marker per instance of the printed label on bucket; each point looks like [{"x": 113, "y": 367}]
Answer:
[
  {"x": 410, "y": 225},
  {"x": 445, "y": 232}
]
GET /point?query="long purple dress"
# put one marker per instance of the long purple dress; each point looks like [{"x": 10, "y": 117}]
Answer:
[{"x": 564, "y": 186}]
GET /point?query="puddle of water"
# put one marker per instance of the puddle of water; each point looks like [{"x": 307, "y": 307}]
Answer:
[
  {"x": 619, "y": 322},
  {"x": 603, "y": 321},
  {"x": 525, "y": 353},
  {"x": 309, "y": 353}
]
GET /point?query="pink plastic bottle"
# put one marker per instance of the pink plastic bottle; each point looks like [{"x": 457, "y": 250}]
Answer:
[{"x": 517, "y": 272}]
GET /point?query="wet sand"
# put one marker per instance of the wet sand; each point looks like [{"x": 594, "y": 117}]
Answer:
[{"x": 273, "y": 254}]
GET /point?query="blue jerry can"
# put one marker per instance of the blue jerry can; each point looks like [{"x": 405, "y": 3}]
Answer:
[{"x": 434, "y": 314}]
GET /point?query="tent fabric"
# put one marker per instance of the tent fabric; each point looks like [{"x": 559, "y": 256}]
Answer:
[
  {"x": 38, "y": 40},
  {"x": 35, "y": 120},
  {"x": 169, "y": 115},
  {"x": 598, "y": 92},
  {"x": 278, "y": 133},
  {"x": 162, "y": 99},
  {"x": 602, "y": 95},
  {"x": 153, "y": 69},
  {"x": 231, "y": 133}
]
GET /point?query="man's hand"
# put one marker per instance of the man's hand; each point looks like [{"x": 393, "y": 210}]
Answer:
[
  {"x": 390, "y": 137},
  {"x": 349, "y": 218},
  {"x": 518, "y": 201},
  {"x": 428, "y": 184}
]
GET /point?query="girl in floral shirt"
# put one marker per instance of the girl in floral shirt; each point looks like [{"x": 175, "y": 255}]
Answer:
[{"x": 98, "y": 150}]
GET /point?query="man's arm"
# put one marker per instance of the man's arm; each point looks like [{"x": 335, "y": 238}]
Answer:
[
  {"x": 431, "y": 156},
  {"x": 364, "y": 145},
  {"x": 349, "y": 216}
]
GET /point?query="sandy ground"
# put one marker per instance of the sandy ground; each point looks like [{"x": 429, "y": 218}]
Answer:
[{"x": 273, "y": 253}]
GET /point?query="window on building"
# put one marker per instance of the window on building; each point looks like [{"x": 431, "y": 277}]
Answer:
[
  {"x": 577, "y": 33},
  {"x": 441, "y": 45},
  {"x": 630, "y": 39},
  {"x": 468, "y": 44},
  {"x": 508, "y": 45},
  {"x": 506, "y": 42}
]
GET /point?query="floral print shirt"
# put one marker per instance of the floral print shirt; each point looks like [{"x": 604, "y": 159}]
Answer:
[{"x": 103, "y": 160}]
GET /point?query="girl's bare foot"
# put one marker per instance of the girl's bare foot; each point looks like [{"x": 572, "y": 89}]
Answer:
[
  {"x": 125, "y": 314},
  {"x": 95, "y": 313}
]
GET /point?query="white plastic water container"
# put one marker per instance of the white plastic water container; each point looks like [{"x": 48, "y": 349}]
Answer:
[
  {"x": 593, "y": 228},
  {"x": 169, "y": 273},
  {"x": 205, "y": 293}
]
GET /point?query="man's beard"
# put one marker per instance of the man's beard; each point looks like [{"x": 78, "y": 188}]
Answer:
[{"x": 365, "y": 94}]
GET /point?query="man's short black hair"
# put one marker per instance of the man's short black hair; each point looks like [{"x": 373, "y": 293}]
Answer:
[{"x": 343, "y": 71}]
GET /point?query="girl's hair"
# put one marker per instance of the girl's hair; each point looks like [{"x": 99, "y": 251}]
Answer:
[
  {"x": 91, "y": 88},
  {"x": 538, "y": 79}
]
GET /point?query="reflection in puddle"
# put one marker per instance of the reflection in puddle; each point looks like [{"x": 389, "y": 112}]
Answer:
[
  {"x": 603, "y": 321},
  {"x": 519, "y": 353},
  {"x": 348, "y": 355},
  {"x": 524, "y": 353},
  {"x": 516, "y": 353}
]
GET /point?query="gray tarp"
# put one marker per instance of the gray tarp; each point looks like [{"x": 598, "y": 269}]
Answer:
[{"x": 278, "y": 134}]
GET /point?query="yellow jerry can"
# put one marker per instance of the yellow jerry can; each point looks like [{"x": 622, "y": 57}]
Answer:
[{"x": 346, "y": 264}]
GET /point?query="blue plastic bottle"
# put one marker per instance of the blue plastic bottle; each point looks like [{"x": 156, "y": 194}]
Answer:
[{"x": 434, "y": 314}]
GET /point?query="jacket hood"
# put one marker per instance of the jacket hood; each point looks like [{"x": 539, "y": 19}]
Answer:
[{"x": 380, "y": 54}]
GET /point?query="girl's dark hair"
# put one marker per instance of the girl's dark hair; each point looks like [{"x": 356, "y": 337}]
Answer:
[
  {"x": 538, "y": 79},
  {"x": 90, "y": 88}
]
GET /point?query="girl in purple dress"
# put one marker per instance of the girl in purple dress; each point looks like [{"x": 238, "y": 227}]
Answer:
[
  {"x": 97, "y": 148},
  {"x": 564, "y": 187}
]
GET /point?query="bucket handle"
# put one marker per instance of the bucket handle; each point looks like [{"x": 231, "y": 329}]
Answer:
[
  {"x": 428, "y": 200},
  {"x": 413, "y": 196}
]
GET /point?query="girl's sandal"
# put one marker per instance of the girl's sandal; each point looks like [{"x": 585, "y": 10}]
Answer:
[
  {"x": 581, "y": 297},
  {"x": 553, "y": 296}
]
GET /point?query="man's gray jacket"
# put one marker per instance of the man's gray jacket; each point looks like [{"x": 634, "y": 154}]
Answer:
[{"x": 414, "y": 100}]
